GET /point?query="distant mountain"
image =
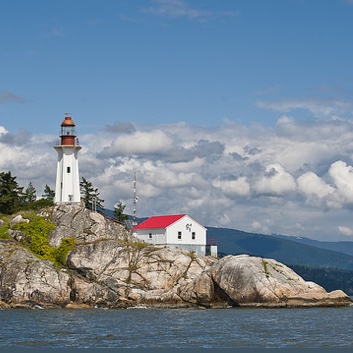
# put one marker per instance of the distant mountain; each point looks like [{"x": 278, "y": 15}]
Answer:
[
  {"x": 280, "y": 248},
  {"x": 345, "y": 247}
]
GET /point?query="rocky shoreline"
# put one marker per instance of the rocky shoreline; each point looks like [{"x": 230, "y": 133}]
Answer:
[{"x": 108, "y": 268}]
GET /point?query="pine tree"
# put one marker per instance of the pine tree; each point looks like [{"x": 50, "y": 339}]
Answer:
[
  {"x": 30, "y": 194},
  {"x": 11, "y": 193},
  {"x": 90, "y": 195},
  {"x": 119, "y": 212},
  {"x": 49, "y": 193}
]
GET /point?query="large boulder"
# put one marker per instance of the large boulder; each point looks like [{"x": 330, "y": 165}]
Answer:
[
  {"x": 254, "y": 281},
  {"x": 27, "y": 281},
  {"x": 139, "y": 272},
  {"x": 75, "y": 221}
]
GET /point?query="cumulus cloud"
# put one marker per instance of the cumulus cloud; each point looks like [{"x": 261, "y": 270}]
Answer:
[
  {"x": 293, "y": 179},
  {"x": 3, "y": 131},
  {"x": 342, "y": 175},
  {"x": 275, "y": 181},
  {"x": 313, "y": 186},
  {"x": 234, "y": 188},
  {"x": 140, "y": 142}
]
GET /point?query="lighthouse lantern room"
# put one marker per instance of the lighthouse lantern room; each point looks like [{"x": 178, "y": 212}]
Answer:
[{"x": 67, "y": 188}]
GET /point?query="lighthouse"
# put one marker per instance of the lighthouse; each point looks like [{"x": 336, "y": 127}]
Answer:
[{"x": 67, "y": 189}]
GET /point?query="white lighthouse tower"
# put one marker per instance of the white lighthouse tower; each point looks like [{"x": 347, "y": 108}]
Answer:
[{"x": 67, "y": 188}]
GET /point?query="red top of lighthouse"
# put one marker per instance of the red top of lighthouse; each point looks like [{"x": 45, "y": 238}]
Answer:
[
  {"x": 68, "y": 133},
  {"x": 68, "y": 121}
]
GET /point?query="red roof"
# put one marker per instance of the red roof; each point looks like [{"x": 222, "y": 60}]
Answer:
[{"x": 159, "y": 221}]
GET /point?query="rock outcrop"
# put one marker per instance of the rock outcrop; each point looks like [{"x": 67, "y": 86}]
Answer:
[
  {"x": 73, "y": 221},
  {"x": 109, "y": 268},
  {"x": 254, "y": 281}
]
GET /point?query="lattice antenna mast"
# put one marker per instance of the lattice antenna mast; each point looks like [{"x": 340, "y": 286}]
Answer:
[{"x": 134, "y": 222}]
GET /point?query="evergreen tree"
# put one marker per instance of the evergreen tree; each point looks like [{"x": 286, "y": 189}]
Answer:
[
  {"x": 119, "y": 212},
  {"x": 11, "y": 193},
  {"x": 90, "y": 195},
  {"x": 30, "y": 196},
  {"x": 49, "y": 193}
]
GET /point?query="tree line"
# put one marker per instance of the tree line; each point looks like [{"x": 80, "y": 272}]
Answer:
[
  {"x": 329, "y": 278},
  {"x": 14, "y": 197}
]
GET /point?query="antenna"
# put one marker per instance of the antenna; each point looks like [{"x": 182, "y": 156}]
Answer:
[{"x": 134, "y": 222}]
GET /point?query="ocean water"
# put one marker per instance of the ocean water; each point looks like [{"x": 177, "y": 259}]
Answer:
[{"x": 177, "y": 328}]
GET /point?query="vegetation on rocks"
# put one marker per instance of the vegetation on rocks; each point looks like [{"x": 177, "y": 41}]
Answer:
[{"x": 36, "y": 239}]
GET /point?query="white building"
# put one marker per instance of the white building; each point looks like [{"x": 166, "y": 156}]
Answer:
[
  {"x": 180, "y": 231},
  {"x": 67, "y": 188}
]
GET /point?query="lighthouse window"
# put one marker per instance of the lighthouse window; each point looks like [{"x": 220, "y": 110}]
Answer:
[
  {"x": 68, "y": 169},
  {"x": 179, "y": 235},
  {"x": 193, "y": 235},
  {"x": 150, "y": 236}
]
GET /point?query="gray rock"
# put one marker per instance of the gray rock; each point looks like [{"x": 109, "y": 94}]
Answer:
[
  {"x": 110, "y": 268},
  {"x": 74, "y": 221},
  {"x": 26, "y": 280},
  {"x": 140, "y": 272},
  {"x": 254, "y": 281},
  {"x": 16, "y": 234},
  {"x": 18, "y": 219}
]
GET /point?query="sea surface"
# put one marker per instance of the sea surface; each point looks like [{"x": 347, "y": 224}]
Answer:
[{"x": 177, "y": 328}]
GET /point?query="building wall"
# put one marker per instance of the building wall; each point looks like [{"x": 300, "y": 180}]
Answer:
[
  {"x": 67, "y": 178},
  {"x": 198, "y": 249},
  {"x": 152, "y": 236},
  {"x": 185, "y": 233}
]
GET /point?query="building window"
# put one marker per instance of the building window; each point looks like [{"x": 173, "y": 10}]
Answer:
[
  {"x": 179, "y": 235},
  {"x": 149, "y": 235},
  {"x": 193, "y": 235},
  {"x": 68, "y": 169}
]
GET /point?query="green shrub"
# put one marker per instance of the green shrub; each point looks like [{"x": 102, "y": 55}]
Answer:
[
  {"x": 67, "y": 244},
  {"x": 38, "y": 230}
]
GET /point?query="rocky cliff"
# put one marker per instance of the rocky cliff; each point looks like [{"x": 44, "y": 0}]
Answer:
[{"x": 109, "y": 268}]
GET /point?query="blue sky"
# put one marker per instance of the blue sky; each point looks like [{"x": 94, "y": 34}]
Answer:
[{"x": 243, "y": 106}]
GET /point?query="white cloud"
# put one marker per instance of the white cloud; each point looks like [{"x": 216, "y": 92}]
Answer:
[
  {"x": 311, "y": 185},
  {"x": 3, "y": 131},
  {"x": 342, "y": 175},
  {"x": 346, "y": 230},
  {"x": 275, "y": 181},
  {"x": 143, "y": 142},
  {"x": 288, "y": 180},
  {"x": 234, "y": 188}
]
